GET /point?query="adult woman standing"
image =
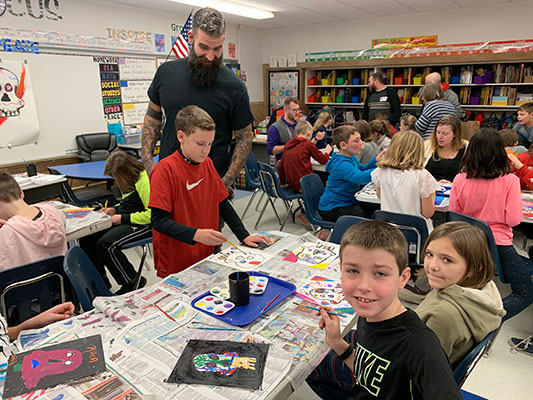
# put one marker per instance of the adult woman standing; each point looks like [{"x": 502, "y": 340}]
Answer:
[{"x": 445, "y": 148}]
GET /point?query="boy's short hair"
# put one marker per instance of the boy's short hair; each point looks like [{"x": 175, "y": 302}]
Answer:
[
  {"x": 378, "y": 76},
  {"x": 376, "y": 234},
  {"x": 527, "y": 107},
  {"x": 9, "y": 188},
  {"x": 364, "y": 130},
  {"x": 342, "y": 134},
  {"x": 509, "y": 137},
  {"x": 303, "y": 127},
  {"x": 191, "y": 118}
]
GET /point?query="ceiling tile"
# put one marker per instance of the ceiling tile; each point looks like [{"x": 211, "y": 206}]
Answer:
[{"x": 430, "y": 5}]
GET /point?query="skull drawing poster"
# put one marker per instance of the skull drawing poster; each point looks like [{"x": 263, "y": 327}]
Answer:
[
  {"x": 18, "y": 115},
  {"x": 221, "y": 363},
  {"x": 53, "y": 365}
]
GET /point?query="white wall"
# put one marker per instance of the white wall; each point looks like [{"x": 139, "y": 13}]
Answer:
[{"x": 67, "y": 87}]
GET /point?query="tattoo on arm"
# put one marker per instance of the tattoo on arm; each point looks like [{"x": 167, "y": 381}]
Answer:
[
  {"x": 243, "y": 145},
  {"x": 150, "y": 136}
]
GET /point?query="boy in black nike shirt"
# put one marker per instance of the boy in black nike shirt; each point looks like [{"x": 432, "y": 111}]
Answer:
[{"x": 392, "y": 354}]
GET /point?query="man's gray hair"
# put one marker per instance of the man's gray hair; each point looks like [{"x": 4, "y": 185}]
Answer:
[{"x": 210, "y": 21}]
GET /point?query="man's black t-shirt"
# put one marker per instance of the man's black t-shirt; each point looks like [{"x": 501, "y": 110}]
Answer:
[
  {"x": 401, "y": 358},
  {"x": 226, "y": 101}
]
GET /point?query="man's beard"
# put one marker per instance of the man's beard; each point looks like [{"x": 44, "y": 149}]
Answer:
[{"x": 203, "y": 72}]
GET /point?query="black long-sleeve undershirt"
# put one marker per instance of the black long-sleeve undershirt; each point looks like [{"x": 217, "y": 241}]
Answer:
[{"x": 162, "y": 223}]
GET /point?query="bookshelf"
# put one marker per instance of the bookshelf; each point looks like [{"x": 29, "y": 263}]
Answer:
[{"x": 483, "y": 82}]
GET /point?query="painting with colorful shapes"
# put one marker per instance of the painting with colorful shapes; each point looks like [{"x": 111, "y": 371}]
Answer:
[
  {"x": 325, "y": 292},
  {"x": 241, "y": 258},
  {"x": 50, "y": 366},
  {"x": 221, "y": 363},
  {"x": 317, "y": 255}
]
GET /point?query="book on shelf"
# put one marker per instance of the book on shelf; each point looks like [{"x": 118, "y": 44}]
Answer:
[
  {"x": 406, "y": 76},
  {"x": 466, "y": 75},
  {"x": 512, "y": 96}
]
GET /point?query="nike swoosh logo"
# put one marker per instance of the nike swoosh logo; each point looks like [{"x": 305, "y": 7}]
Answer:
[{"x": 193, "y": 185}]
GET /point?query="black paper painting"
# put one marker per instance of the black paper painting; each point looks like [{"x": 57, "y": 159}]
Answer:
[
  {"x": 221, "y": 363},
  {"x": 53, "y": 365}
]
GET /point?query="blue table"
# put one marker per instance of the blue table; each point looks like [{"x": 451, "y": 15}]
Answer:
[{"x": 89, "y": 171}]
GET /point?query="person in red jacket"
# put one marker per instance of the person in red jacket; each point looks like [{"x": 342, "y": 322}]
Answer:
[
  {"x": 522, "y": 168},
  {"x": 295, "y": 161}
]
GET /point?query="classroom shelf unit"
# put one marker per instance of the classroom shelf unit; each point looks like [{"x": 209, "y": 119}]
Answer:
[{"x": 483, "y": 82}]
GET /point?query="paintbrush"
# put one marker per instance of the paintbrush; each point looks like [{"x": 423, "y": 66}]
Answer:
[
  {"x": 235, "y": 246},
  {"x": 329, "y": 312}
]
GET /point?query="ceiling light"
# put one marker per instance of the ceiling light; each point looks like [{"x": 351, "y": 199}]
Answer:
[{"x": 230, "y": 7}]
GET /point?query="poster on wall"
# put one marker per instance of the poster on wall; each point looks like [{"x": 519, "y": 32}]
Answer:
[
  {"x": 19, "y": 124},
  {"x": 282, "y": 84}
]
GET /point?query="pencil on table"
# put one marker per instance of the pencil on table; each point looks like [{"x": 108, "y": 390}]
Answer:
[{"x": 105, "y": 207}]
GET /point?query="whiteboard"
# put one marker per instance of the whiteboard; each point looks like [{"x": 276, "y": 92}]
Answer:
[
  {"x": 136, "y": 68},
  {"x": 134, "y": 91},
  {"x": 134, "y": 113}
]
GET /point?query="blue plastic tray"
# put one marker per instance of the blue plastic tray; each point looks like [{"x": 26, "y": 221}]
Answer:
[{"x": 244, "y": 315}]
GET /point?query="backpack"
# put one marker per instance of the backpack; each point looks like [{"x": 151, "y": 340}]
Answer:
[
  {"x": 492, "y": 122},
  {"x": 508, "y": 122}
]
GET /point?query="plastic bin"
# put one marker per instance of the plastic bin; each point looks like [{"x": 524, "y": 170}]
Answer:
[
  {"x": 313, "y": 98},
  {"x": 134, "y": 138},
  {"x": 454, "y": 80},
  {"x": 356, "y": 81},
  {"x": 339, "y": 99},
  {"x": 325, "y": 82},
  {"x": 415, "y": 100},
  {"x": 356, "y": 99},
  {"x": 341, "y": 80},
  {"x": 398, "y": 80},
  {"x": 474, "y": 101},
  {"x": 478, "y": 80},
  {"x": 326, "y": 99},
  {"x": 312, "y": 81}
]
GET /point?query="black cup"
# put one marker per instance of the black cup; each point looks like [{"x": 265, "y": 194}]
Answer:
[
  {"x": 239, "y": 288},
  {"x": 31, "y": 169}
]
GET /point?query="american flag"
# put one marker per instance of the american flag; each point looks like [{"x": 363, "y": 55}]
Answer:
[{"x": 181, "y": 45}]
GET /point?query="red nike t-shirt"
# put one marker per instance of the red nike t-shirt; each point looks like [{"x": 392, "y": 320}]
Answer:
[{"x": 191, "y": 194}]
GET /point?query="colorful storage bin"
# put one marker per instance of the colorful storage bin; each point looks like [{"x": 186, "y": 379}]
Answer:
[
  {"x": 356, "y": 81},
  {"x": 415, "y": 100}
]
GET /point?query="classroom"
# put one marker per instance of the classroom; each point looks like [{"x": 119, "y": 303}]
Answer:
[{"x": 385, "y": 104}]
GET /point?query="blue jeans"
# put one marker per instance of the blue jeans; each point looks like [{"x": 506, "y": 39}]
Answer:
[
  {"x": 516, "y": 272},
  {"x": 332, "y": 379}
]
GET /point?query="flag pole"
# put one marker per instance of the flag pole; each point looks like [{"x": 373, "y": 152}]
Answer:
[{"x": 172, "y": 44}]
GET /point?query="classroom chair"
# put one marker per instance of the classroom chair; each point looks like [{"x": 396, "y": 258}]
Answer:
[
  {"x": 83, "y": 198},
  {"x": 312, "y": 190},
  {"x": 272, "y": 187},
  {"x": 253, "y": 181},
  {"x": 143, "y": 243},
  {"x": 84, "y": 277},
  {"x": 30, "y": 289},
  {"x": 456, "y": 217},
  {"x": 468, "y": 363},
  {"x": 413, "y": 227},
  {"x": 96, "y": 146},
  {"x": 342, "y": 225}
]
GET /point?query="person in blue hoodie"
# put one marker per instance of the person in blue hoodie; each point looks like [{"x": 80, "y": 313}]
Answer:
[{"x": 346, "y": 175}]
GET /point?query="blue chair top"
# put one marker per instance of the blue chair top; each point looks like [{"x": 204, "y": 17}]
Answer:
[
  {"x": 312, "y": 189},
  {"x": 342, "y": 225},
  {"x": 272, "y": 186}
]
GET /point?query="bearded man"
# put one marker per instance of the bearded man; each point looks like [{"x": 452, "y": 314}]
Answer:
[{"x": 202, "y": 80}]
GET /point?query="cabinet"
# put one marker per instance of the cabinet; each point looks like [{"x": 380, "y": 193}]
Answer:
[{"x": 483, "y": 82}]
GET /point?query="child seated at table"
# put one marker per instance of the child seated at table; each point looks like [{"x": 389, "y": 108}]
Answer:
[
  {"x": 510, "y": 141},
  {"x": 54, "y": 314},
  {"x": 28, "y": 233},
  {"x": 381, "y": 133},
  {"x": 464, "y": 305},
  {"x": 130, "y": 219},
  {"x": 370, "y": 149},
  {"x": 187, "y": 197},
  {"x": 407, "y": 122},
  {"x": 392, "y": 354},
  {"x": 402, "y": 183},
  {"x": 346, "y": 175},
  {"x": 295, "y": 159}
]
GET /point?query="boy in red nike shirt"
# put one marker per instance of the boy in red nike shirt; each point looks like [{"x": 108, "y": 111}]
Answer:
[{"x": 187, "y": 197}]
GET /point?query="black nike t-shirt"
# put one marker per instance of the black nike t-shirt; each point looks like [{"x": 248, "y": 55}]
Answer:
[{"x": 401, "y": 358}]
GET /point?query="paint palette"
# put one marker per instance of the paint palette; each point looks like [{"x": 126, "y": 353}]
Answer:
[
  {"x": 214, "y": 305},
  {"x": 220, "y": 292},
  {"x": 258, "y": 284}
]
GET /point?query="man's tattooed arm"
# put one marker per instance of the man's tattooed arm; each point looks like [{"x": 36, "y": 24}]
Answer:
[
  {"x": 150, "y": 136},
  {"x": 243, "y": 145}
]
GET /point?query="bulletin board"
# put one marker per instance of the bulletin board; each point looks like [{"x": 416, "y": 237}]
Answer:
[{"x": 282, "y": 84}]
